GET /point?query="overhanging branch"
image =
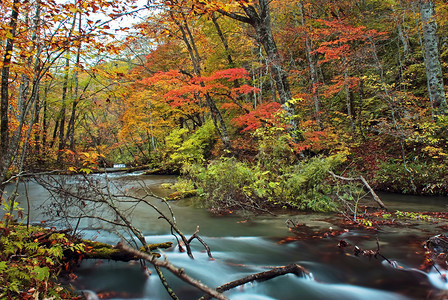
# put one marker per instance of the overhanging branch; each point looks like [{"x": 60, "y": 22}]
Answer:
[{"x": 366, "y": 184}]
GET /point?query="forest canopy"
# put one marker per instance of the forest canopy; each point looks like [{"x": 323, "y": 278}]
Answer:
[{"x": 281, "y": 92}]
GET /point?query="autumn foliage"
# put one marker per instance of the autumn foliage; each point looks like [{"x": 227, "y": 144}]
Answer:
[{"x": 315, "y": 78}]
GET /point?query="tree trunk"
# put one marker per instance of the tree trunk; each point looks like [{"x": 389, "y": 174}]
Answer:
[
  {"x": 4, "y": 102},
  {"x": 258, "y": 16},
  {"x": 223, "y": 39},
  {"x": 263, "y": 28},
  {"x": 62, "y": 112},
  {"x": 347, "y": 96},
  {"x": 432, "y": 57},
  {"x": 216, "y": 116},
  {"x": 70, "y": 136},
  {"x": 312, "y": 66}
]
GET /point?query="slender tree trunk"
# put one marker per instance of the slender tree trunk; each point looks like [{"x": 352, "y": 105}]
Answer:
[
  {"x": 224, "y": 42},
  {"x": 265, "y": 37},
  {"x": 217, "y": 118},
  {"x": 71, "y": 124},
  {"x": 44, "y": 119},
  {"x": 63, "y": 108},
  {"x": 422, "y": 48},
  {"x": 4, "y": 102},
  {"x": 347, "y": 95},
  {"x": 312, "y": 66},
  {"x": 432, "y": 57}
]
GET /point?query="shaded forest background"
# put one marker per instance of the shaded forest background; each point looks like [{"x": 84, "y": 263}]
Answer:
[{"x": 249, "y": 100}]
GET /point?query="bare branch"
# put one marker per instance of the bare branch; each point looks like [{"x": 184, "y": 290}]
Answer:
[{"x": 360, "y": 178}]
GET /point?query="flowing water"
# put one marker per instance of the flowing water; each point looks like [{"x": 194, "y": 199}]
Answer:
[{"x": 245, "y": 245}]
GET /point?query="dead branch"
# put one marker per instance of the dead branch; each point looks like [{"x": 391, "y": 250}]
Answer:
[
  {"x": 366, "y": 184},
  {"x": 179, "y": 272},
  {"x": 262, "y": 276},
  {"x": 195, "y": 236},
  {"x": 357, "y": 251}
]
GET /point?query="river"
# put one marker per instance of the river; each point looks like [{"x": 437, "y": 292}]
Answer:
[{"x": 242, "y": 245}]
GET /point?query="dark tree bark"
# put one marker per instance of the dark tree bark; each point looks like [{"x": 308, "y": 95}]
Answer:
[
  {"x": 63, "y": 108},
  {"x": 223, "y": 40},
  {"x": 262, "y": 276},
  {"x": 312, "y": 66},
  {"x": 70, "y": 136}
]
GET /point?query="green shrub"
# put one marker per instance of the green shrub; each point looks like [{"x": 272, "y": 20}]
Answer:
[
  {"x": 304, "y": 186},
  {"x": 228, "y": 184},
  {"x": 181, "y": 147}
]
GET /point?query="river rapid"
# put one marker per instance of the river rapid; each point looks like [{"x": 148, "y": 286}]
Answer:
[{"x": 243, "y": 245}]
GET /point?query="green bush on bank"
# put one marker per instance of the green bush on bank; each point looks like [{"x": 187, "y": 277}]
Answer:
[{"x": 227, "y": 184}]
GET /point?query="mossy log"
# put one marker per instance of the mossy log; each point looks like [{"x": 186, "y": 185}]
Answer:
[
  {"x": 97, "y": 250},
  {"x": 182, "y": 195}
]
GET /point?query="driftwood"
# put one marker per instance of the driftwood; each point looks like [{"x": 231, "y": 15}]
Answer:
[
  {"x": 357, "y": 251},
  {"x": 196, "y": 236},
  {"x": 437, "y": 244},
  {"x": 366, "y": 184}
]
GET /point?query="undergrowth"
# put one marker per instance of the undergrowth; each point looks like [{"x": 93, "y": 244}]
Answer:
[{"x": 31, "y": 258}]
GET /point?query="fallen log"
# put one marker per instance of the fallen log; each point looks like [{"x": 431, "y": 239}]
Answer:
[
  {"x": 179, "y": 272},
  {"x": 98, "y": 250},
  {"x": 262, "y": 276}
]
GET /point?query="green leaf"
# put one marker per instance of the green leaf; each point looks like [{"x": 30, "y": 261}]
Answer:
[
  {"x": 3, "y": 266},
  {"x": 41, "y": 273}
]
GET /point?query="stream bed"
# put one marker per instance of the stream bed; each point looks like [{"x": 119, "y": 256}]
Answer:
[{"x": 243, "y": 245}]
